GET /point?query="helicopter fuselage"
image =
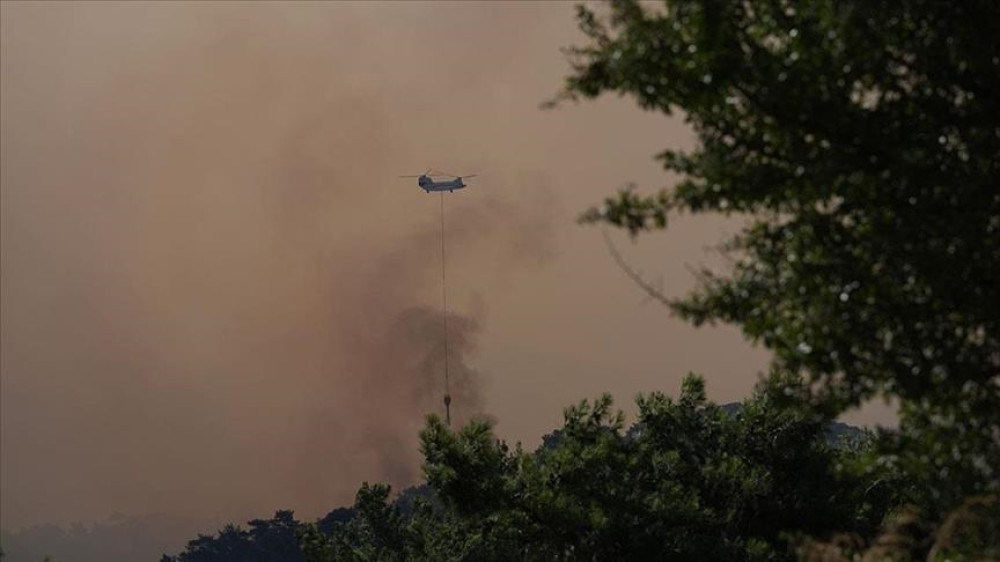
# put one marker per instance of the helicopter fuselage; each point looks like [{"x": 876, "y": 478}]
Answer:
[{"x": 429, "y": 185}]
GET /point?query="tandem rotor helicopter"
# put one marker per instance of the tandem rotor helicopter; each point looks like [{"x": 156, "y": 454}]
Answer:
[{"x": 425, "y": 181}]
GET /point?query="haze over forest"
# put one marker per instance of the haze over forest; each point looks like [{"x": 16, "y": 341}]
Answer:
[{"x": 218, "y": 298}]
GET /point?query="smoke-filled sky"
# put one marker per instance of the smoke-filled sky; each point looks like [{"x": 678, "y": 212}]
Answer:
[{"x": 218, "y": 299}]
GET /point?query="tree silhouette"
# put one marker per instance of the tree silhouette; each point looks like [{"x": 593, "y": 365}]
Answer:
[{"x": 861, "y": 140}]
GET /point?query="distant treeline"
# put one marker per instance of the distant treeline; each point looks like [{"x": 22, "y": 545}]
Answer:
[{"x": 120, "y": 538}]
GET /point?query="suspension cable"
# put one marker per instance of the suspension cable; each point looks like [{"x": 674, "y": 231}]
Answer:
[{"x": 444, "y": 316}]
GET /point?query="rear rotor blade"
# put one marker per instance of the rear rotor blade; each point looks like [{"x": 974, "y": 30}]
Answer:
[{"x": 454, "y": 175}]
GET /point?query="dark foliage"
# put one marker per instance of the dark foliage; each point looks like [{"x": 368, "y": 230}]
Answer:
[
  {"x": 265, "y": 540},
  {"x": 862, "y": 140},
  {"x": 690, "y": 480}
]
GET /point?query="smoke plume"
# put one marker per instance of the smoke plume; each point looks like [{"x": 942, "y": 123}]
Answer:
[{"x": 218, "y": 299}]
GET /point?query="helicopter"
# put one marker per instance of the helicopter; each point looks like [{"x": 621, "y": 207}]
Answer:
[{"x": 425, "y": 182}]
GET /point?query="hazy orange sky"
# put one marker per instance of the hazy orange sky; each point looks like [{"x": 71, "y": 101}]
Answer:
[{"x": 219, "y": 300}]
